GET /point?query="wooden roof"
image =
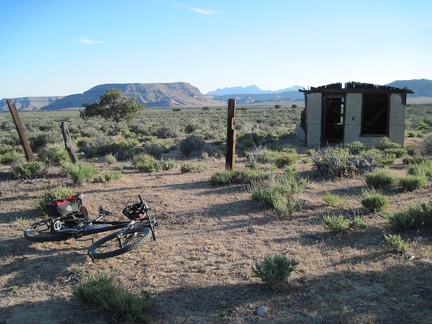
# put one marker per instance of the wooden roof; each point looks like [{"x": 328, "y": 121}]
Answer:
[{"x": 358, "y": 87}]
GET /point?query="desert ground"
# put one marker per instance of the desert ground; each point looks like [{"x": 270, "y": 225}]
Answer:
[{"x": 199, "y": 269}]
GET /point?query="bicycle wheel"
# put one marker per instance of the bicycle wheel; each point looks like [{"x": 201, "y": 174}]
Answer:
[
  {"x": 112, "y": 245},
  {"x": 42, "y": 232}
]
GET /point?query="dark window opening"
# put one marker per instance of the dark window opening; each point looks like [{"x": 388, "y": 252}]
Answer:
[{"x": 375, "y": 114}]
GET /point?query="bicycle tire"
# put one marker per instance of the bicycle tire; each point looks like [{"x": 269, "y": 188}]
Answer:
[
  {"x": 41, "y": 232},
  {"x": 132, "y": 239}
]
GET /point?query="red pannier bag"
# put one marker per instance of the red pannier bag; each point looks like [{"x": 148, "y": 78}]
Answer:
[{"x": 64, "y": 206}]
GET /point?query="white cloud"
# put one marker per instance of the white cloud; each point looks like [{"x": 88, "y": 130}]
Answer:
[
  {"x": 204, "y": 11},
  {"x": 89, "y": 41}
]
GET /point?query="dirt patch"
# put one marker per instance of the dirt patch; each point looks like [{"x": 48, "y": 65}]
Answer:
[{"x": 199, "y": 269}]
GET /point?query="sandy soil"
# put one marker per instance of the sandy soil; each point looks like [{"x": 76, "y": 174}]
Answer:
[{"x": 199, "y": 269}]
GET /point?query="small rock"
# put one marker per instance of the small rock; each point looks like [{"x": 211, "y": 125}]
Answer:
[
  {"x": 425, "y": 261},
  {"x": 261, "y": 310}
]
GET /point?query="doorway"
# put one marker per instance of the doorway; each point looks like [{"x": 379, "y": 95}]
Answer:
[{"x": 333, "y": 112}]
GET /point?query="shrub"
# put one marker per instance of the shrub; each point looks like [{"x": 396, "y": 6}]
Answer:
[
  {"x": 191, "y": 127},
  {"x": 145, "y": 163},
  {"x": 168, "y": 131},
  {"x": 112, "y": 175},
  {"x": 357, "y": 223},
  {"x": 386, "y": 144},
  {"x": 274, "y": 269},
  {"x": 154, "y": 149},
  {"x": 285, "y": 159},
  {"x": 9, "y": 157},
  {"x": 416, "y": 159},
  {"x": 337, "y": 162},
  {"x": 165, "y": 165},
  {"x": 413, "y": 217},
  {"x": 29, "y": 170},
  {"x": 413, "y": 182},
  {"x": 222, "y": 178},
  {"x": 191, "y": 144},
  {"x": 103, "y": 291},
  {"x": 47, "y": 196},
  {"x": 339, "y": 224},
  {"x": 277, "y": 192},
  {"x": 80, "y": 172},
  {"x": 264, "y": 155},
  {"x": 190, "y": 168},
  {"x": 110, "y": 159},
  {"x": 420, "y": 169},
  {"x": 396, "y": 242},
  {"x": 331, "y": 199},
  {"x": 53, "y": 154},
  {"x": 374, "y": 200},
  {"x": 336, "y": 223},
  {"x": 381, "y": 178},
  {"x": 398, "y": 152},
  {"x": 355, "y": 147}
]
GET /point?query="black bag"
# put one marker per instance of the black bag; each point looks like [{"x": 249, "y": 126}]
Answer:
[{"x": 64, "y": 206}]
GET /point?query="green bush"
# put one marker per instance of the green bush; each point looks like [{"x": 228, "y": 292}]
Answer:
[
  {"x": 279, "y": 158},
  {"x": 274, "y": 269},
  {"x": 190, "y": 168},
  {"x": 80, "y": 172},
  {"x": 339, "y": 224},
  {"x": 415, "y": 216},
  {"x": 420, "y": 169},
  {"x": 396, "y": 242},
  {"x": 381, "y": 178},
  {"x": 110, "y": 159},
  {"x": 53, "y": 154},
  {"x": 147, "y": 163},
  {"x": 398, "y": 152},
  {"x": 286, "y": 159},
  {"x": 9, "y": 157},
  {"x": 331, "y": 199},
  {"x": 386, "y": 144},
  {"x": 166, "y": 165},
  {"x": 245, "y": 176},
  {"x": 112, "y": 175},
  {"x": 56, "y": 193},
  {"x": 416, "y": 159},
  {"x": 413, "y": 182},
  {"x": 192, "y": 143},
  {"x": 355, "y": 148},
  {"x": 337, "y": 162},
  {"x": 222, "y": 178},
  {"x": 103, "y": 291},
  {"x": 374, "y": 200},
  {"x": 357, "y": 223},
  {"x": 277, "y": 192},
  {"x": 29, "y": 170},
  {"x": 336, "y": 223}
]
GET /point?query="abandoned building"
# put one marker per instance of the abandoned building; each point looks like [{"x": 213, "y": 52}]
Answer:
[{"x": 336, "y": 115}]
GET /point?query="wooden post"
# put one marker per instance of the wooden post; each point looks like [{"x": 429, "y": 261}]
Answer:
[
  {"x": 67, "y": 140},
  {"x": 21, "y": 131},
  {"x": 231, "y": 136}
]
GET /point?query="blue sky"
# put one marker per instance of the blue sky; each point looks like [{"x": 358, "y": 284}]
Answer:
[{"x": 63, "y": 47}]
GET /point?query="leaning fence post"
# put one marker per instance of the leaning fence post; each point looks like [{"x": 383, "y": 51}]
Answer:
[
  {"x": 231, "y": 137},
  {"x": 21, "y": 131},
  {"x": 68, "y": 145}
]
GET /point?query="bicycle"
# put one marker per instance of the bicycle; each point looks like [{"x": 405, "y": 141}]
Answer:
[{"x": 133, "y": 233}]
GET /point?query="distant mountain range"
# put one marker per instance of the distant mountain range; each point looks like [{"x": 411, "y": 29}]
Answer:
[
  {"x": 252, "y": 89},
  {"x": 182, "y": 94}
]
